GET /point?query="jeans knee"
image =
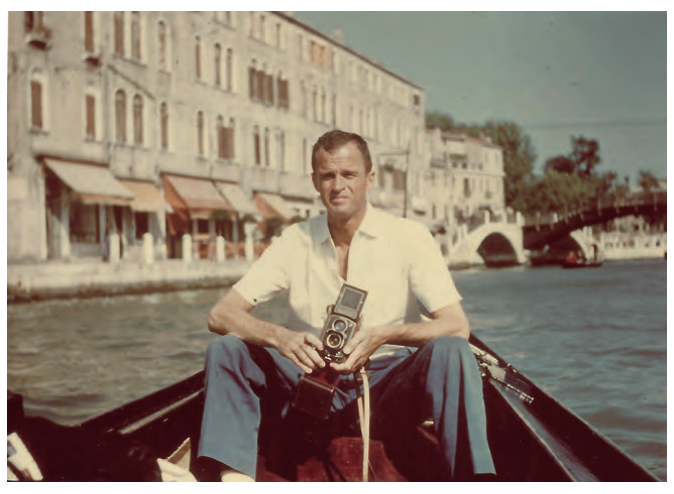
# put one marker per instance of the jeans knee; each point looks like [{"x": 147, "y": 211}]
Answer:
[
  {"x": 224, "y": 349},
  {"x": 451, "y": 345}
]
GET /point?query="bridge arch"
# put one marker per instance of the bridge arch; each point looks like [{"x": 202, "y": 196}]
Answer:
[{"x": 494, "y": 244}]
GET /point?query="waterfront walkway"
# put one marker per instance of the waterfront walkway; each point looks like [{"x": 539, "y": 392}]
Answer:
[{"x": 87, "y": 278}]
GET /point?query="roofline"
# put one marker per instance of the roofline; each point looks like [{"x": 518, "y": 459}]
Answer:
[{"x": 320, "y": 34}]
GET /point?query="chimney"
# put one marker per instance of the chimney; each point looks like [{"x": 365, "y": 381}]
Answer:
[{"x": 337, "y": 35}]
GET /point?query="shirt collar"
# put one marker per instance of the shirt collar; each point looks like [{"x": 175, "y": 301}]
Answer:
[{"x": 371, "y": 224}]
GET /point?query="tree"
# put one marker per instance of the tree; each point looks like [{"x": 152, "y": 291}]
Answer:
[
  {"x": 585, "y": 154},
  {"x": 438, "y": 120},
  {"x": 518, "y": 158},
  {"x": 560, "y": 164},
  {"x": 648, "y": 181}
]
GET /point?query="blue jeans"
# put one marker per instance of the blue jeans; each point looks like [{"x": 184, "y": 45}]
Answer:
[{"x": 441, "y": 379}]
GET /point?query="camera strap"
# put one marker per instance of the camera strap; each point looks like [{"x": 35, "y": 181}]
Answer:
[{"x": 364, "y": 416}]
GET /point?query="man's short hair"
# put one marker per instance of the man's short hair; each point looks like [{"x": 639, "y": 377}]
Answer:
[{"x": 335, "y": 139}]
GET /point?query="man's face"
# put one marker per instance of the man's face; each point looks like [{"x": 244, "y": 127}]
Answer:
[{"x": 341, "y": 180}]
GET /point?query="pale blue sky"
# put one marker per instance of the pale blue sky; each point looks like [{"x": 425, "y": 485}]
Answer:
[{"x": 599, "y": 74}]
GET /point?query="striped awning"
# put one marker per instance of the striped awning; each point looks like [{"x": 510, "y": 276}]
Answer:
[
  {"x": 147, "y": 196},
  {"x": 92, "y": 183},
  {"x": 271, "y": 205},
  {"x": 237, "y": 198},
  {"x": 198, "y": 195}
]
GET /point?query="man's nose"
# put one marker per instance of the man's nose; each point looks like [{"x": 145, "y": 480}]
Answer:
[{"x": 339, "y": 183}]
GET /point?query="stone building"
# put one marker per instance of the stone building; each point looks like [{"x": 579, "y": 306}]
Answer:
[
  {"x": 465, "y": 177},
  {"x": 154, "y": 125}
]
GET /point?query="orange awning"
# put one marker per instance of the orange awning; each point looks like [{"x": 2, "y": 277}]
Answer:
[
  {"x": 147, "y": 195},
  {"x": 271, "y": 205},
  {"x": 199, "y": 196}
]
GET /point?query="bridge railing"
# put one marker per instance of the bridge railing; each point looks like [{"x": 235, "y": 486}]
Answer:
[{"x": 581, "y": 207}]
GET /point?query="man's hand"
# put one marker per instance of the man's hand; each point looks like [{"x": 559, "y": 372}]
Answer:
[
  {"x": 363, "y": 344},
  {"x": 301, "y": 349}
]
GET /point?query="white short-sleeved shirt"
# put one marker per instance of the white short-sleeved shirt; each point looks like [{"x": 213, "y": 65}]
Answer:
[{"x": 394, "y": 259}]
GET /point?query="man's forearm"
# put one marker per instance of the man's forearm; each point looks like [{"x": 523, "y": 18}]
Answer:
[
  {"x": 244, "y": 326},
  {"x": 450, "y": 321}
]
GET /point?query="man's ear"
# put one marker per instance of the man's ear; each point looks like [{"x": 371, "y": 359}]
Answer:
[
  {"x": 370, "y": 179},
  {"x": 313, "y": 181}
]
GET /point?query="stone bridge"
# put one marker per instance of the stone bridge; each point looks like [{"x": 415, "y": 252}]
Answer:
[{"x": 492, "y": 243}]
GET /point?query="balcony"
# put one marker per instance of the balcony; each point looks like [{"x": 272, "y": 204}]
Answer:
[{"x": 39, "y": 37}]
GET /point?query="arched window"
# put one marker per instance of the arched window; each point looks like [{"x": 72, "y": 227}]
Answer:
[
  {"x": 252, "y": 79},
  {"x": 138, "y": 119},
  {"x": 135, "y": 36},
  {"x": 197, "y": 57},
  {"x": 229, "y": 140},
  {"x": 229, "y": 67},
  {"x": 266, "y": 147},
  {"x": 256, "y": 144},
  {"x": 323, "y": 116},
  {"x": 36, "y": 105},
  {"x": 220, "y": 132},
  {"x": 281, "y": 148},
  {"x": 200, "y": 133},
  {"x": 119, "y": 33},
  {"x": 163, "y": 125},
  {"x": 90, "y": 112},
  {"x": 314, "y": 103},
  {"x": 120, "y": 116},
  {"x": 161, "y": 34},
  {"x": 218, "y": 63},
  {"x": 334, "y": 110}
]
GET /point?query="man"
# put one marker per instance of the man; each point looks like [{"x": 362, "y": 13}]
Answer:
[{"x": 399, "y": 264}]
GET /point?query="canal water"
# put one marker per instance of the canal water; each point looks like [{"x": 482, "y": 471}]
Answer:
[{"x": 596, "y": 339}]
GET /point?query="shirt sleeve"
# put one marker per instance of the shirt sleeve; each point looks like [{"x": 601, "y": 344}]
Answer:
[
  {"x": 430, "y": 279},
  {"x": 268, "y": 275}
]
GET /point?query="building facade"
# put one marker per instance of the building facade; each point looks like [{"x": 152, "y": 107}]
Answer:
[
  {"x": 174, "y": 123},
  {"x": 464, "y": 178}
]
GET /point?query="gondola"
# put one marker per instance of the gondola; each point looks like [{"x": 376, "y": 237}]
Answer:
[{"x": 531, "y": 435}]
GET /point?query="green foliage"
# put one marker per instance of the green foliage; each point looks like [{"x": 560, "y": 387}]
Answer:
[
  {"x": 438, "y": 120},
  {"x": 296, "y": 219},
  {"x": 647, "y": 181}
]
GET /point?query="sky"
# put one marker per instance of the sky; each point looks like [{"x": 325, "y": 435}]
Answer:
[{"x": 602, "y": 75}]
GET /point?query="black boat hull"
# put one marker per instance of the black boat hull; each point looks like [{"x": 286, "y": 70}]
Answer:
[{"x": 530, "y": 442}]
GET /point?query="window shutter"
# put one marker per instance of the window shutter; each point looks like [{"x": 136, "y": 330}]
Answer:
[
  {"x": 119, "y": 33},
  {"x": 91, "y": 116},
  {"x": 257, "y": 148},
  {"x": 222, "y": 153},
  {"x": 36, "y": 103},
  {"x": 251, "y": 82},
  {"x": 229, "y": 143},
  {"x": 260, "y": 85},
  {"x": 270, "y": 89},
  {"x": 89, "y": 31}
]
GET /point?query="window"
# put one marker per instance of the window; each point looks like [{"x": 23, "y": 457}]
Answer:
[
  {"x": 251, "y": 24},
  {"x": 141, "y": 222},
  {"x": 314, "y": 103},
  {"x": 200, "y": 133},
  {"x": 305, "y": 109},
  {"x": 138, "y": 119},
  {"x": 270, "y": 90},
  {"x": 281, "y": 148},
  {"x": 120, "y": 116},
  {"x": 197, "y": 57},
  {"x": 260, "y": 85},
  {"x": 90, "y": 104},
  {"x": 220, "y": 132},
  {"x": 89, "y": 32},
  {"x": 161, "y": 35},
  {"x": 229, "y": 67},
  {"x": 266, "y": 147},
  {"x": 218, "y": 63},
  {"x": 163, "y": 125},
  {"x": 34, "y": 21},
  {"x": 334, "y": 110},
  {"x": 84, "y": 224},
  {"x": 278, "y": 34},
  {"x": 282, "y": 91},
  {"x": 119, "y": 33},
  {"x": 37, "y": 121},
  {"x": 323, "y": 119},
  {"x": 252, "y": 80},
  {"x": 229, "y": 140},
  {"x": 135, "y": 36},
  {"x": 262, "y": 29},
  {"x": 256, "y": 144}
]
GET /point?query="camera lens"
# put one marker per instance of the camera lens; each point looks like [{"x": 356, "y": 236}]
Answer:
[
  {"x": 333, "y": 340},
  {"x": 339, "y": 325}
]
